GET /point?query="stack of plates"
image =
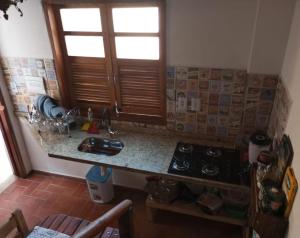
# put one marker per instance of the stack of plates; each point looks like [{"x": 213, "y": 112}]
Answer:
[{"x": 48, "y": 107}]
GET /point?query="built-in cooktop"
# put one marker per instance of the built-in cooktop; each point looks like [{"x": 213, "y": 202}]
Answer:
[{"x": 214, "y": 163}]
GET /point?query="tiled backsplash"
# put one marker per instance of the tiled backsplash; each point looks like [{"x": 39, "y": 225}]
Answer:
[
  {"x": 219, "y": 103},
  {"x": 259, "y": 97},
  {"x": 16, "y": 70},
  {"x": 280, "y": 112}
]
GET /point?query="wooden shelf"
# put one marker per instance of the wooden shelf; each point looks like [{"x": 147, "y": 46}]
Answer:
[
  {"x": 266, "y": 225},
  {"x": 193, "y": 210}
]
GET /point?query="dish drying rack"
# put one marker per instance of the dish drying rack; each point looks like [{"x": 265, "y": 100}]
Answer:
[{"x": 59, "y": 125}]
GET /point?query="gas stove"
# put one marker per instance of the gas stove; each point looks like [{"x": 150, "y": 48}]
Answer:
[{"x": 213, "y": 163}]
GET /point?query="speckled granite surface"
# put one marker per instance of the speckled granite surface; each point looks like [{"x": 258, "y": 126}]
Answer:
[{"x": 145, "y": 151}]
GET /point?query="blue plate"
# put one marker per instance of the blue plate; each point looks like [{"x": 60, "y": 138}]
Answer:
[
  {"x": 40, "y": 104},
  {"x": 47, "y": 105},
  {"x": 57, "y": 112}
]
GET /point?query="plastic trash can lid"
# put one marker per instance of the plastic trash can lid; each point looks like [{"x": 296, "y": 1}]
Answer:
[{"x": 94, "y": 174}]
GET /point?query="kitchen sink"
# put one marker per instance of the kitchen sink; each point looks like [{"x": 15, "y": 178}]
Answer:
[{"x": 101, "y": 146}]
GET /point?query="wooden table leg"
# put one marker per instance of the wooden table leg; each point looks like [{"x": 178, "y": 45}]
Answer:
[
  {"x": 151, "y": 213},
  {"x": 246, "y": 231}
]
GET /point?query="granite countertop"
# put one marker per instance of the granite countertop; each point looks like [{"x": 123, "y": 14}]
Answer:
[{"x": 145, "y": 151}]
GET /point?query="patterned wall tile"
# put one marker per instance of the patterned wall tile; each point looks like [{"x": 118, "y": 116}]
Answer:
[
  {"x": 207, "y": 101},
  {"x": 259, "y": 99},
  {"x": 222, "y": 131},
  {"x": 192, "y": 84},
  {"x": 281, "y": 108},
  {"x": 181, "y": 84},
  {"x": 215, "y": 97},
  {"x": 170, "y": 83},
  {"x": 17, "y": 69},
  {"x": 193, "y": 102},
  {"x": 216, "y": 74},
  {"x": 193, "y": 73},
  {"x": 204, "y": 74},
  {"x": 204, "y": 85},
  {"x": 213, "y": 109},
  {"x": 214, "y": 86},
  {"x": 181, "y": 73}
]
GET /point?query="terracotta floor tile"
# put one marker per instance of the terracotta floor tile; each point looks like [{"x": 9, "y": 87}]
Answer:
[
  {"x": 42, "y": 195},
  {"x": 23, "y": 182},
  {"x": 43, "y": 185},
  {"x": 69, "y": 183},
  {"x": 32, "y": 221},
  {"x": 30, "y": 201},
  {"x": 81, "y": 191},
  {"x": 4, "y": 214},
  {"x": 15, "y": 188},
  {"x": 7, "y": 204},
  {"x": 12, "y": 196},
  {"x": 44, "y": 212},
  {"x": 31, "y": 188},
  {"x": 37, "y": 177},
  {"x": 59, "y": 189}
]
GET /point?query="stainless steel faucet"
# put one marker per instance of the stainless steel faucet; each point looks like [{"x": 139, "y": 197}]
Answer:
[{"x": 106, "y": 122}]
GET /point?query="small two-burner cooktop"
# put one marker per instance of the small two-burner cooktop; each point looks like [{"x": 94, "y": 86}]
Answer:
[{"x": 213, "y": 163}]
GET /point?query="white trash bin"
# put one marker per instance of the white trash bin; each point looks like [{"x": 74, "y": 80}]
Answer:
[{"x": 99, "y": 181}]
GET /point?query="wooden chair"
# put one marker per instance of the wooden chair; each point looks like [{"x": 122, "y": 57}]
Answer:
[
  {"x": 16, "y": 224},
  {"x": 77, "y": 227}
]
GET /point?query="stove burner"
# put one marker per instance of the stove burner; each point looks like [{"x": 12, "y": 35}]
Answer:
[
  {"x": 213, "y": 152},
  {"x": 185, "y": 148},
  {"x": 183, "y": 165},
  {"x": 211, "y": 163},
  {"x": 210, "y": 170},
  {"x": 180, "y": 157}
]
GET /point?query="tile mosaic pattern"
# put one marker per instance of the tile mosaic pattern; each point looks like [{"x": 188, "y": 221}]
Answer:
[
  {"x": 205, "y": 101},
  {"x": 218, "y": 102},
  {"x": 280, "y": 112},
  {"x": 16, "y": 69},
  {"x": 259, "y": 99}
]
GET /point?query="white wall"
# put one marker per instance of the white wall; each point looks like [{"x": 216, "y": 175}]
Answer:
[
  {"x": 25, "y": 36},
  {"x": 291, "y": 77},
  {"x": 270, "y": 35},
  {"x": 207, "y": 33},
  {"x": 210, "y": 33}
]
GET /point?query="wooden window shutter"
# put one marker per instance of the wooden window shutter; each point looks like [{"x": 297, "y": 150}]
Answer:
[
  {"x": 89, "y": 83},
  {"x": 84, "y": 81},
  {"x": 140, "y": 83},
  {"x": 134, "y": 86},
  {"x": 139, "y": 90}
]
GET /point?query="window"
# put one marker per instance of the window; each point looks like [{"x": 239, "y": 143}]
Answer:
[
  {"x": 85, "y": 46},
  {"x": 72, "y": 19},
  {"x": 110, "y": 54}
]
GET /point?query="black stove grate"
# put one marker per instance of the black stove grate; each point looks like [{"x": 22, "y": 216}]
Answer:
[{"x": 220, "y": 164}]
